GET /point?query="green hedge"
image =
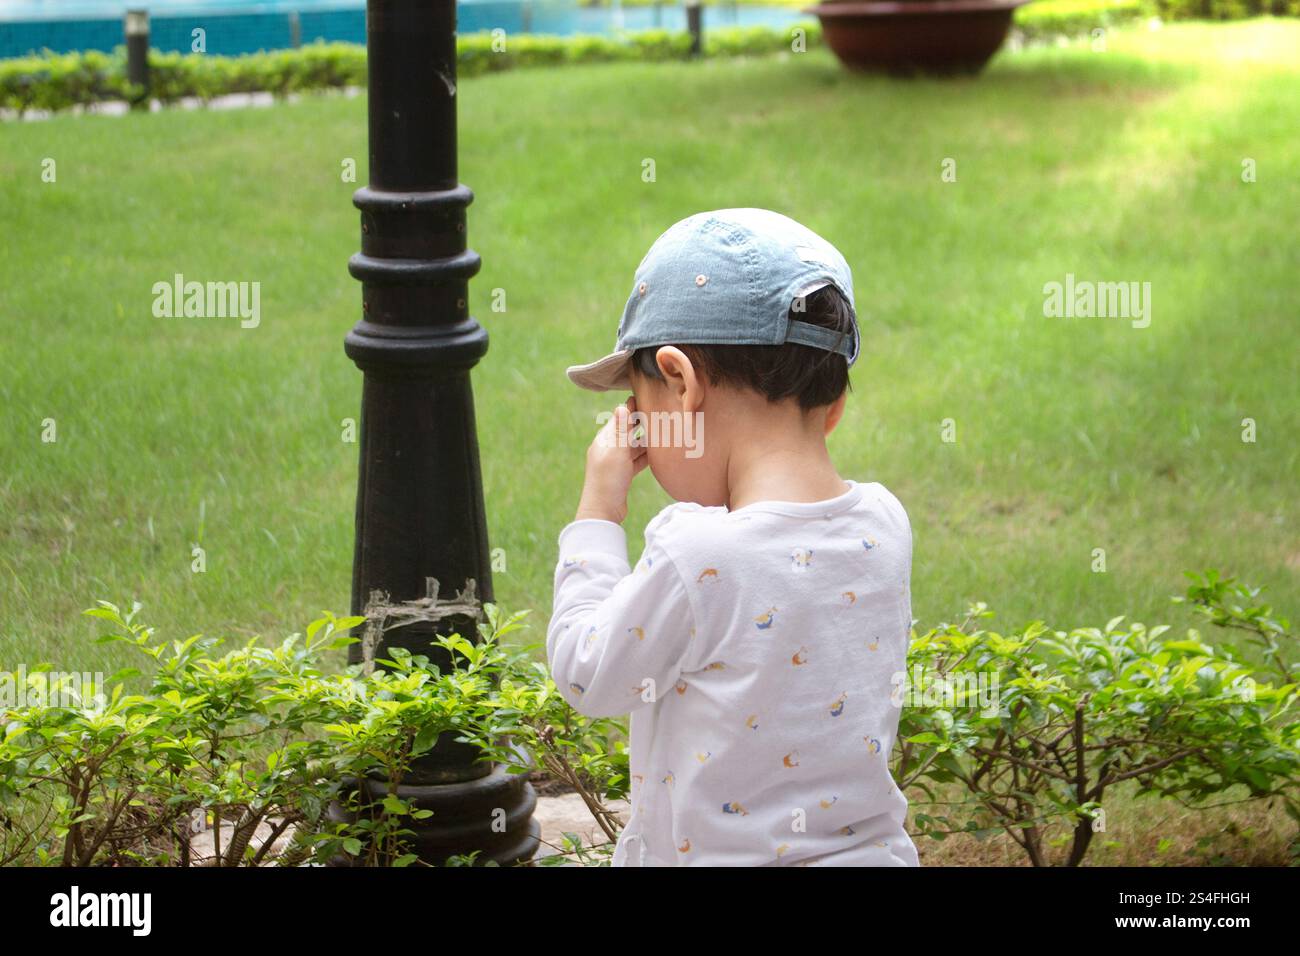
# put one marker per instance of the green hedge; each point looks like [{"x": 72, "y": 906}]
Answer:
[
  {"x": 1047, "y": 18},
  {"x": 54, "y": 82},
  {"x": 1072, "y": 18},
  {"x": 1225, "y": 9},
  {"x": 1167, "y": 9},
  {"x": 1028, "y": 732}
]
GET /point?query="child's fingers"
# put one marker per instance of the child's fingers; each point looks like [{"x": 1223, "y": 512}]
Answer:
[
  {"x": 620, "y": 432},
  {"x": 633, "y": 432},
  {"x": 639, "y": 461}
]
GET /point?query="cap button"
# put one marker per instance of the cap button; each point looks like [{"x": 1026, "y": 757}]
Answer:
[
  {"x": 641, "y": 288},
  {"x": 701, "y": 279}
]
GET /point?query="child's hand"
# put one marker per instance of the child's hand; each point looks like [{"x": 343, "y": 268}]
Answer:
[{"x": 612, "y": 463}]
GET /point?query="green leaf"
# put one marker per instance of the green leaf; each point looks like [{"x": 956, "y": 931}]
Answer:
[{"x": 393, "y": 805}]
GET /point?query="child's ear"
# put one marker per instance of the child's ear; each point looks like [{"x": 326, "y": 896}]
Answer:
[
  {"x": 684, "y": 385},
  {"x": 836, "y": 412}
]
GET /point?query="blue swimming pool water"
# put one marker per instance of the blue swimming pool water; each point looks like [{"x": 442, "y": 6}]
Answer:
[{"x": 245, "y": 26}]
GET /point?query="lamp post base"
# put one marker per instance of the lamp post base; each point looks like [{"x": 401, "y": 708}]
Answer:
[{"x": 493, "y": 813}]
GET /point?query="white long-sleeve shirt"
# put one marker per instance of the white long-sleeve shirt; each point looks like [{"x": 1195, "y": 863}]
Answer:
[{"x": 759, "y": 653}]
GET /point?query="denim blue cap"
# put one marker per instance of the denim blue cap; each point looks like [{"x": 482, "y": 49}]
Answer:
[{"x": 726, "y": 277}]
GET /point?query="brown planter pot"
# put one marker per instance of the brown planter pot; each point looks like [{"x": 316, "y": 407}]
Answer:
[{"x": 925, "y": 36}]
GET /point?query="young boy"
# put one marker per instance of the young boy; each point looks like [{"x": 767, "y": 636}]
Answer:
[{"x": 758, "y": 642}]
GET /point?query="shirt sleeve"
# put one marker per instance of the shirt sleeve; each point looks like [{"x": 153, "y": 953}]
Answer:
[{"x": 617, "y": 637}]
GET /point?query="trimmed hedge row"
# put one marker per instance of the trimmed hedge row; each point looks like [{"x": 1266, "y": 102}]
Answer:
[
  {"x": 1072, "y": 18},
  {"x": 56, "y": 82},
  {"x": 1167, "y": 9},
  {"x": 1077, "y": 17},
  {"x": 1225, "y": 9}
]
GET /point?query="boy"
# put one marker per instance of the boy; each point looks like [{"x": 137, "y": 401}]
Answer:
[{"x": 757, "y": 641}]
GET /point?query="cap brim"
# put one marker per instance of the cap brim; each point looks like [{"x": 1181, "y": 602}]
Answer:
[{"x": 601, "y": 376}]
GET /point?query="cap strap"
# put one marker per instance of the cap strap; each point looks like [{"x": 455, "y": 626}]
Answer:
[{"x": 804, "y": 333}]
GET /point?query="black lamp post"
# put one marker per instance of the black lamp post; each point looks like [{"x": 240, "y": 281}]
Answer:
[
  {"x": 694, "y": 24},
  {"x": 135, "y": 27},
  {"x": 420, "y": 511}
]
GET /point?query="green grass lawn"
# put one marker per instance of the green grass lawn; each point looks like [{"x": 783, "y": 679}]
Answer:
[{"x": 1072, "y": 434}]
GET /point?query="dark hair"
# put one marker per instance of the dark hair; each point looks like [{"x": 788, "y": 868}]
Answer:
[{"x": 815, "y": 377}]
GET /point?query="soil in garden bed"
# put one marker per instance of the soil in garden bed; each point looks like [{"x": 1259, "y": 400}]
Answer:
[{"x": 546, "y": 785}]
